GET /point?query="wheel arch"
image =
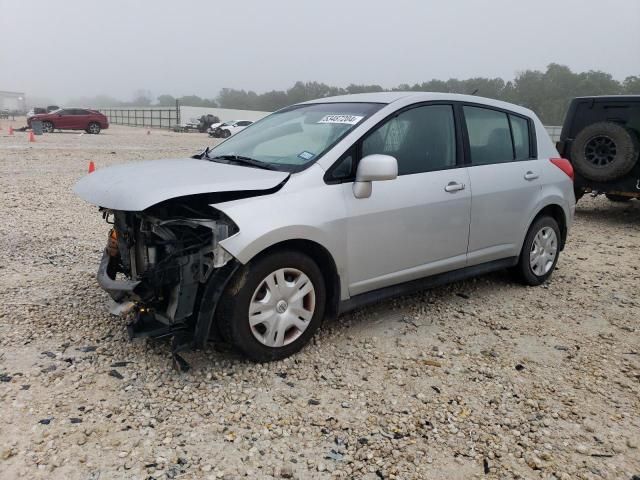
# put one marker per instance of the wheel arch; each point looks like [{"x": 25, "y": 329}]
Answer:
[
  {"x": 325, "y": 261},
  {"x": 556, "y": 212}
]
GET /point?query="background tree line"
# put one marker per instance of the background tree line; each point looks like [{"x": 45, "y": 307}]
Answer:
[{"x": 547, "y": 93}]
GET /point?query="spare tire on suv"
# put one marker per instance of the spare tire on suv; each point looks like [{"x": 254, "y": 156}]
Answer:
[{"x": 604, "y": 151}]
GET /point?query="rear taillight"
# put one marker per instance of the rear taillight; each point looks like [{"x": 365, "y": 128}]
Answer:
[{"x": 564, "y": 165}]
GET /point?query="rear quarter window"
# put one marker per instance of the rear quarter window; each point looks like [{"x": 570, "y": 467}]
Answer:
[{"x": 521, "y": 137}]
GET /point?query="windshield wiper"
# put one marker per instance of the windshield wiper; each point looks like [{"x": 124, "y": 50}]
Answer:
[{"x": 252, "y": 162}]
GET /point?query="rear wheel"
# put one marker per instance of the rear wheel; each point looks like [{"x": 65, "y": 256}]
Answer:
[
  {"x": 93, "y": 128},
  {"x": 540, "y": 252},
  {"x": 273, "y": 306},
  {"x": 47, "y": 127}
]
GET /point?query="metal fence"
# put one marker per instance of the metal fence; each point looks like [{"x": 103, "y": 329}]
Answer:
[
  {"x": 162, "y": 117},
  {"x": 554, "y": 132},
  {"x": 169, "y": 117}
]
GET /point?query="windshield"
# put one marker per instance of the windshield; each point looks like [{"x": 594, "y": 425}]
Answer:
[{"x": 296, "y": 136}]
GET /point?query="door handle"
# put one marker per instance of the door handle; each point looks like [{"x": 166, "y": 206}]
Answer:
[
  {"x": 530, "y": 175},
  {"x": 454, "y": 187}
]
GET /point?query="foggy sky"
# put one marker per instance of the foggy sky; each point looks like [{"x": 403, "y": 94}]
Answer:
[{"x": 71, "y": 48}]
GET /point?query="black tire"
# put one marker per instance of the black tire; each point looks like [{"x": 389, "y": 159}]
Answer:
[
  {"x": 604, "y": 151},
  {"x": 226, "y": 133},
  {"x": 523, "y": 270},
  {"x": 578, "y": 192},
  {"x": 93, "y": 128},
  {"x": 617, "y": 198},
  {"x": 232, "y": 313},
  {"x": 47, "y": 127}
]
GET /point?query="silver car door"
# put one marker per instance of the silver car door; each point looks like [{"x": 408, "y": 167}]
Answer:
[
  {"x": 417, "y": 224},
  {"x": 506, "y": 181}
]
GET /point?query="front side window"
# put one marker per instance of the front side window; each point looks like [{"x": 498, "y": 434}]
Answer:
[
  {"x": 422, "y": 139},
  {"x": 296, "y": 136},
  {"x": 489, "y": 136}
]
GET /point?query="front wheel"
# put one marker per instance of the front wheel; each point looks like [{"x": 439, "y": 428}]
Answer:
[
  {"x": 273, "y": 306},
  {"x": 47, "y": 127},
  {"x": 540, "y": 252}
]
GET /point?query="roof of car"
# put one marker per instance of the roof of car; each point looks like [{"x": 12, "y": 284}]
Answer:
[{"x": 391, "y": 97}]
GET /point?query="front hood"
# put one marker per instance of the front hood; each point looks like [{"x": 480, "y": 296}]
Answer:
[{"x": 139, "y": 185}]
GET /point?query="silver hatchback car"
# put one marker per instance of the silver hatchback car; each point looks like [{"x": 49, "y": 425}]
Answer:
[{"x": 325, "y": 206}]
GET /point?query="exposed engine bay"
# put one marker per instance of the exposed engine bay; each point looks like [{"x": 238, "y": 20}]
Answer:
[
  {"x": 164, "y": 262},
  {"x": 158, "y": 261}
]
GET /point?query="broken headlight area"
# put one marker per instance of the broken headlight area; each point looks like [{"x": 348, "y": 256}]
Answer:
[{"x": 157, "y": 260}]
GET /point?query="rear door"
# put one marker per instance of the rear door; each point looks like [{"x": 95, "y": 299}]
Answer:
[
  {"x": 506, "y": 181},
  {"x": 417, "y": 224},
  {"x": 81, "y": 119}
]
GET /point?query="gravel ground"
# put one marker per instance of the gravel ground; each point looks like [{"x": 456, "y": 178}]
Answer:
[{"x": 479, "y": 379}]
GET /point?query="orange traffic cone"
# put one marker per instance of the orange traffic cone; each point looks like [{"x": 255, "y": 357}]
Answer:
[
  {"x": 10, "y": 130},
  {"x": 92, "y": 167},
  {"x": 32, "y": 137}
]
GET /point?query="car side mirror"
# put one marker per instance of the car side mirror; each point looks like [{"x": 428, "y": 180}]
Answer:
[{"x": 373, "y": 168}]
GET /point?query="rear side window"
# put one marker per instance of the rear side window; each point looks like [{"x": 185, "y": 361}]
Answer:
[
  {"x": 489, "y": 136},
  {"x": 520, "y": 132}
]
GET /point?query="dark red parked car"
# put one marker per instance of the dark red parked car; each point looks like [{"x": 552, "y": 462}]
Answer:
[{"x": 90, "y": 121}]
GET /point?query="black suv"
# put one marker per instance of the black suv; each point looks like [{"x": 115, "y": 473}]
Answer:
[{"x": 600, "y": 137}]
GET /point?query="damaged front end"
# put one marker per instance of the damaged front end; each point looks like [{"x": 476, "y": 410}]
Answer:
[{"x": 159, "y": 262}]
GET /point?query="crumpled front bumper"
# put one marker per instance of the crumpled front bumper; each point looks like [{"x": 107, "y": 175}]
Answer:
[
  {"x": 118, "y": 290},
  {"x": 148, "y": 323}
]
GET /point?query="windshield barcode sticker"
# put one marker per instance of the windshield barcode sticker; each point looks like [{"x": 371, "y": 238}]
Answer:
[
  {"x": 306, "y": 155},
  {"x": 344, "y": 119}
]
